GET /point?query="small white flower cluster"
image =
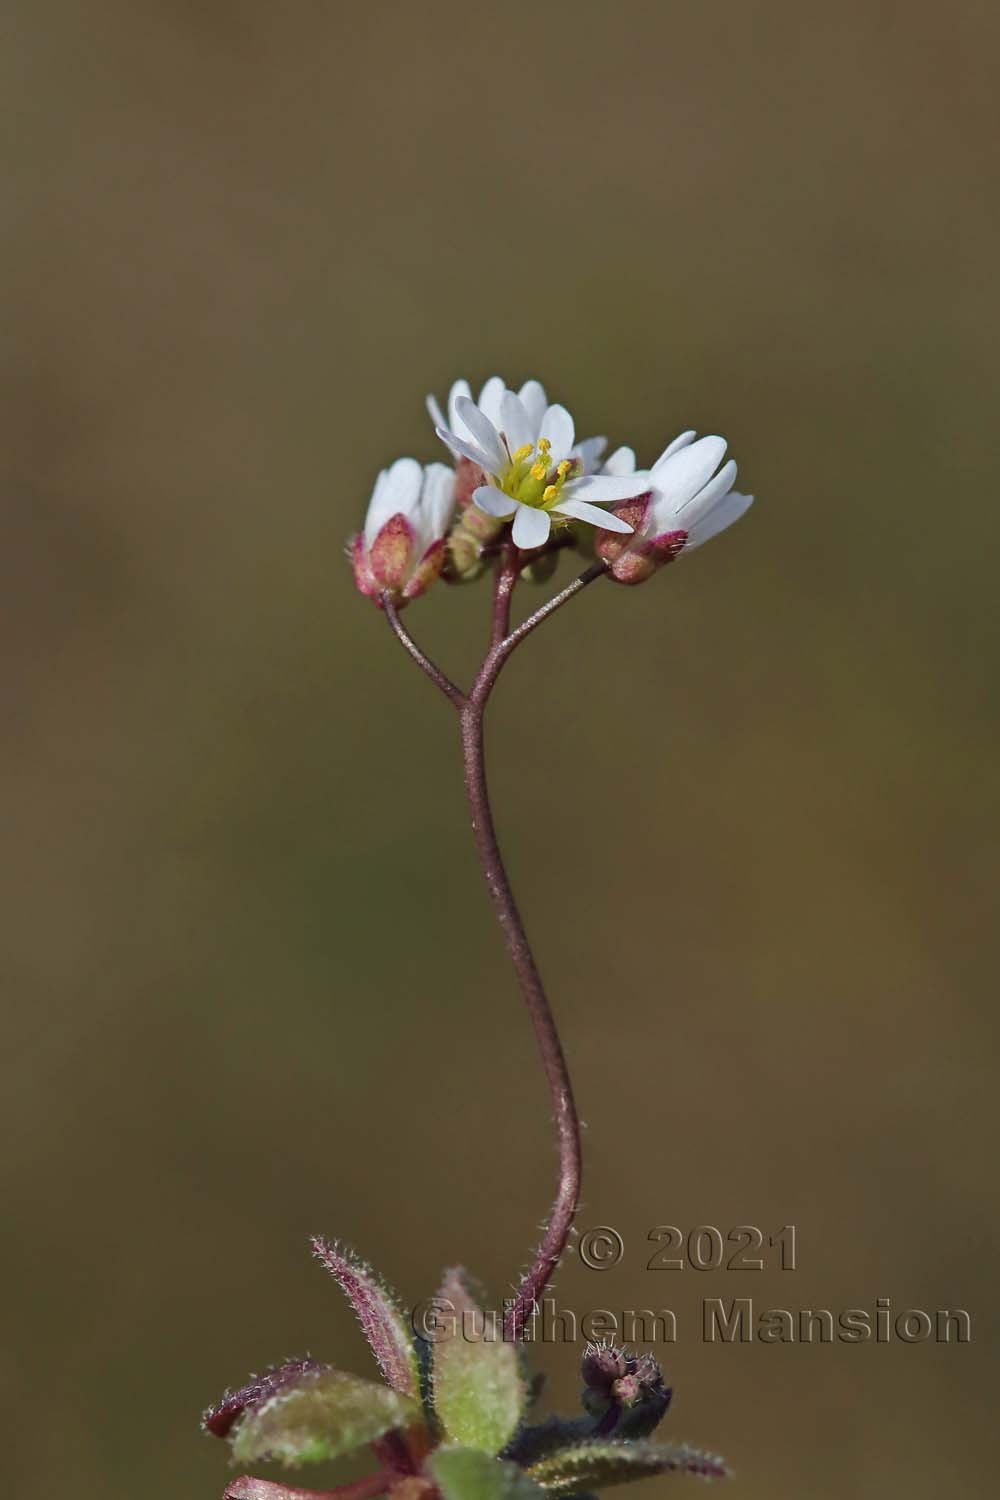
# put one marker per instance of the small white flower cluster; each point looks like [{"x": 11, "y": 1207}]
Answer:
[{"x": 518, "y": 460}]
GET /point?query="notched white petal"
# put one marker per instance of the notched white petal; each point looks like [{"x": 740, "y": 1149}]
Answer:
[
  {"x": 722, "y": 515},
  {"x": 603, "y": 487},
  {"x": 708, "y": 494},
  {"x": 579, "y": 510},
  {"x": 622, "y": 461},
  {"x": 531, "y": 527},
  {"x": 460, "y": 388},
  {"x": 557, "y": 426},
  {"x": 463, "y": 449},
  {"x": 534, "y": 401},
  {"x": 683, "y": 474},
  {"x": 517, "y": 429},
  {"x": 489, "y": 399},
  {"x": 678, "y": 443},
  {"x": 482, "y": 429},
  {"x": 494, "y": 502}
]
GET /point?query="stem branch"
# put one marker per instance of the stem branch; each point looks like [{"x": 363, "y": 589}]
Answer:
[{"x": 453, "y": 693}]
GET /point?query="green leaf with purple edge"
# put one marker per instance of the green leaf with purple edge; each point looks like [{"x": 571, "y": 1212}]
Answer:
[
  {"x": 593, "y": 1465},
  {"x": 471, "y": 1474},
  {"x": 378, "y": 1311},
  {"x": 477, "y": 1388},
  {"x": 320, "y": 1415}
]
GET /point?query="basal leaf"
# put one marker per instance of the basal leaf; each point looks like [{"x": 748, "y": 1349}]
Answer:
[
  {"x": 384, "y": 1323},
  {"x": 319, "y": 1416},
  {"x": 476, "y": 1382},
  {"x": 471, "y": 1474},
  {"x": 593, "y": 1465}
]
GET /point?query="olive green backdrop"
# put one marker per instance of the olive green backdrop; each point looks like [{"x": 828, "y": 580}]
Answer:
[{"x": 252, "y": 986}]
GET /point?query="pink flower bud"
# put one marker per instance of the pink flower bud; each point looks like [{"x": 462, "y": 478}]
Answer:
[{"x": 402, "y": 548}]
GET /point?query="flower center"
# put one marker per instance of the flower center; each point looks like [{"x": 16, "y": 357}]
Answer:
[{"x": 533, "y": 479}]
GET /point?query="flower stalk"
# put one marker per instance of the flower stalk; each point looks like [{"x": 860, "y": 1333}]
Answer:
[{"x": 471, "y": 709}]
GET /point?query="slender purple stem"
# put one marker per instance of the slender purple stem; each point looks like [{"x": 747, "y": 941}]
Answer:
[
  {"x": 440, "y": 680},
  {"x": 471, "y": 709}
]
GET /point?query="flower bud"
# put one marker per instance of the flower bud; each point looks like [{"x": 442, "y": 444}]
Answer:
[
  {"x": 624, "y": 1393},
  {"x": 402, "y": 549},
  {"x": 472, "y": 531},
  {"x": 602, "y": 1365},
  {"x": 686, "y": 503}
]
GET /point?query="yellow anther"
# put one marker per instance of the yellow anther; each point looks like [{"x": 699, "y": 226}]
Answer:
[
  {"x": 544, "y": 446},
  {"x": 563, "y": 468},
  {"x": 549, "y": 493},
  {"x": 522, "y": 453},
  {"x": 538, "y": 471}
]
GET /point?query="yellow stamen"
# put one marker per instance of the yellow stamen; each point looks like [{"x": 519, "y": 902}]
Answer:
[
  {"x": 521, "y": 454},
  {"x": 550, "y": 492},
  {"x": 538, "y": 471}
]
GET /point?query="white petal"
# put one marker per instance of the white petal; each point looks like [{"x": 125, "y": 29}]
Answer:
[
  {"x": 677, "y": 478},
  {"x": 494, "y": 502},
  {"x": 377, "y": 513},
  {"x": 593, "y": 515},
  {"x": 534, "y": 401},
  {"x": 396, "y": 489},
  {"x": 531, "y": 527},
  {"x": 514, "y": 422},
  {"x": 723, "y": 514},
  {"x": 589, "y": 452},
  {"x": 557, "y": 426},
  {"x": 460, "y": 388},
  {"x": 481, "y": 428},
  {"x": 436, "y": 414},
  {"x": 437, "y": 503},
  {"x": 688, "y": 513},
  {"x": 489, "y": 400},
  {"x": 609, "y": 486},
  {"x": 677, "y": 444},
  {"x": 462, "y": 449},
  {"x": 622, "y": 461}
]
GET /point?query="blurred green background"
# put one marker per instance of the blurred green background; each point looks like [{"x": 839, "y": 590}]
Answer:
[{"x": 253, "y": 989}]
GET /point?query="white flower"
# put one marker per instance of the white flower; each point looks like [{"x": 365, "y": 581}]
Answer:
[
  {"x": 683, "y": 503},
  {"x": 527, "y": 449},
  {"x": 401, "y": 548},
  {"x": 535, "y": 402},
  {"x": 688, "y": 495}
]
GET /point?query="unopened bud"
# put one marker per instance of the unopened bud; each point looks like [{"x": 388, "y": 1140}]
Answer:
[
  {"x": 602, "y": 1365},
  {"x": 473, "y": 530},
  {"x": 624, "y": 1394},
  {"x": 401, "y": 550}
]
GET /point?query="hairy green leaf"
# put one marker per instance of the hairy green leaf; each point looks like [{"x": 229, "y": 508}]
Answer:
[
  {"x": 319, "y": 1416},
  {"x": 379, "y": 1313},
  {"x": 477, "y": 1388},
  {"x": 593, "y": 1465},
  {"x": 471, "y": 1474}
]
